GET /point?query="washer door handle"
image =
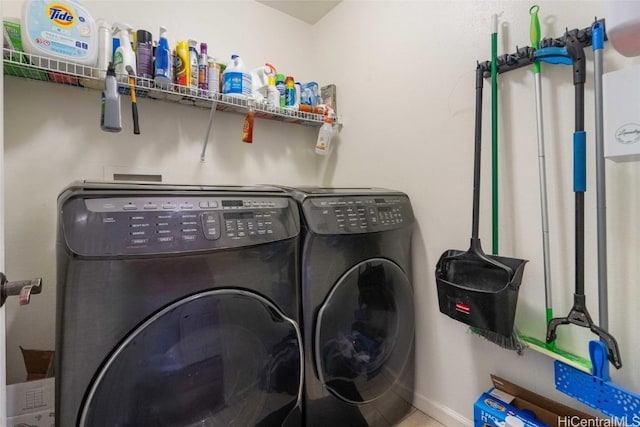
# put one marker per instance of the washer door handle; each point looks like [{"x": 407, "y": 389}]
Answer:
[{"x": 21, "y": 288}]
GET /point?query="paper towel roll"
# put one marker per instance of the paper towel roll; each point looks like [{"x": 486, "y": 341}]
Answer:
[{"x": 622, "y": 21}]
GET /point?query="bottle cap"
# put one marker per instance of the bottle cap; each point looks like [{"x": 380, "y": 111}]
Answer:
[
  {"x": 279, "y": 77},
  {"x": 203, "y": 48},
  {"x": 143, "y": 36}
]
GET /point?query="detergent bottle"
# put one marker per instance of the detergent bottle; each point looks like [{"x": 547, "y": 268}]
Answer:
[
  {"x": 124, "y": 55},
  {"x": 236, "y": 81},
  {"x": 43, "y": 23}
]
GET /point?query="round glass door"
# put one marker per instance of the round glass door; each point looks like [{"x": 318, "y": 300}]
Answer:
[
  {"x": 364, "y": 331},
  {"x": 217, "y": 358}
]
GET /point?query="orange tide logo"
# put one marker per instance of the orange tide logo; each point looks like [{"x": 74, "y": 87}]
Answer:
[{"x": 61, "y": 15}]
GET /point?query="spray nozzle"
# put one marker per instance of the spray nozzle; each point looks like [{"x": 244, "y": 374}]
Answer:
[
  {"x": 270, "y": 69},
  {"x": 121, "y": 28}
]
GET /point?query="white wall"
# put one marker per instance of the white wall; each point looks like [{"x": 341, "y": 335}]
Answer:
[
  {"x": 52, "y": 137},
  {"x": 405, "y": 78}
]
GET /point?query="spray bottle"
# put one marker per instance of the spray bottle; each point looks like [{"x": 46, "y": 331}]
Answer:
[
  {"x": 163, "y": 75},
  {"x": 144, "y": 54},
  {"x": 323, "y": 144},
  {"x": 124, "y": 54},
  {"x": 203, "y": 71},
  {"x": 110, "y": 118}
]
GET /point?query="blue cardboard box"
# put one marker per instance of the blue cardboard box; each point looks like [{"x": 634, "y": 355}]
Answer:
[
  {"x": 509, "y": 405},
  {"x": 489, "y": 411}
]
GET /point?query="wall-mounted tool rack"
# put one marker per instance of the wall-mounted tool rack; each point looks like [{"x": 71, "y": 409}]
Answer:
[{"x": 524, "y": 56}]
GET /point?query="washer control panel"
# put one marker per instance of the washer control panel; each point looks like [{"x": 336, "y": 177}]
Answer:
[
  {"x": 357, "y": 214},
  {"x": 157, "y": 224}
]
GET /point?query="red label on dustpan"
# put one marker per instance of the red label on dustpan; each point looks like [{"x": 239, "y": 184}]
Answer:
[{"x": 464, "y": 308}]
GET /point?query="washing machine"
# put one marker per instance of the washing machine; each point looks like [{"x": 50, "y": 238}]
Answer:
[
  {"x": 357, "y": 305},
  {"x": 177, "y": 306}
]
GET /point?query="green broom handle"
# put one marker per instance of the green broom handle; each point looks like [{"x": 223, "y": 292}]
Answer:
[{"x": 494, "y": 131}]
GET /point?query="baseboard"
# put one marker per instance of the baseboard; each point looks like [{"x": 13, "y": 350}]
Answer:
[{"x": 443, "y": 414}]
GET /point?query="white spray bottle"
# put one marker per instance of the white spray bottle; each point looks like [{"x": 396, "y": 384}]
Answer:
[
  {"x": 124, "y": 54},
  {"x": 323, "y": 144}
]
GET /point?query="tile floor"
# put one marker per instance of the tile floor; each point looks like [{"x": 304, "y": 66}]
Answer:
[{"x": 419, "y": 419}]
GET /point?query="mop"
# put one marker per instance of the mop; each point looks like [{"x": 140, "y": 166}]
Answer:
[
  {"x": 596, "y": 389},
  {"x": 550, "y": 349}
]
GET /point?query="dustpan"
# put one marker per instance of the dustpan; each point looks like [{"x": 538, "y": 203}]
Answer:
[{"x": 475, "y": 288}]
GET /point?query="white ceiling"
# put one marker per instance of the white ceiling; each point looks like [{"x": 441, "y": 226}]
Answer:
[{"x": 310, "y": 11}]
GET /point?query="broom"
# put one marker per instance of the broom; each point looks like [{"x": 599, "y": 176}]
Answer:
[{"x": 510, "y": 342}]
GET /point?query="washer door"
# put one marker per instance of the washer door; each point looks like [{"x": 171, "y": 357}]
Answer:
[
  {"x": 217, "y": 358},
  {"x": 364, "y": 331}
]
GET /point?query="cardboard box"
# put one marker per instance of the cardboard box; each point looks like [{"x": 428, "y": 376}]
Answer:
[
  {"x": 31, "y": 403},
  {"x": 328, "y": 95},
  {"x": 509, "y": 405},
  {"x": 39, "y": 363},
  {"x": 621, "y": 115}
]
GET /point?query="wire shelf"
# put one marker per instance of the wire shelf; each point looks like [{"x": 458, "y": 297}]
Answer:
[{"x": 36, "y": 67}]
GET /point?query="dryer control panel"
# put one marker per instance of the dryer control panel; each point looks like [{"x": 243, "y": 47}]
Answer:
[
  {"x": 357, "y": 214},
  {"x": 166, "y": 224}
]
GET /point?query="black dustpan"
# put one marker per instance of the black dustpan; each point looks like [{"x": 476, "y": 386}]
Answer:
[{"x": 475, "y": 288}]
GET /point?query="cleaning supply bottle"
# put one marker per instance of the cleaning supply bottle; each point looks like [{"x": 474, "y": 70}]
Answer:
[
  {"x": 110, "y": 118},
  {"x": 214, "y": 77},
  {"x": 163, "y": 74},
  {"x": 193, "y": 66},
  {"x": 183, "y": 70},
  {"x": 105, "y": 53},
  {"x": 290, "y": 92},
  {"x": 203, "y": 70},
  {"x": 323, "y": 144},
  {"x": 61, "y": 29},
  {"x": 124, "y": 54},
  {"x": 273, "y": 94},
  {"x": 236, "y": 81},
  {"x": 247, "y": 127},
  {"x": 281, "y": 89},
  {"x": 144, "y": 54}
]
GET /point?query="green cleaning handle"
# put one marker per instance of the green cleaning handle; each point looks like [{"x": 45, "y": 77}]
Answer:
[{"x": 534, "y": 33}]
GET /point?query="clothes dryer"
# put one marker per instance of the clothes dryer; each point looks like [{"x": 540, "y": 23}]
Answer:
[
  {"x": 357, "y": 304},
  {"x": 177, "y": 306}
]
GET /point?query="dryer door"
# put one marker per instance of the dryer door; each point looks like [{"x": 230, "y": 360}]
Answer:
[
  {"x": 364, "y": 331},
  {"x": 217, "y": 358}
]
